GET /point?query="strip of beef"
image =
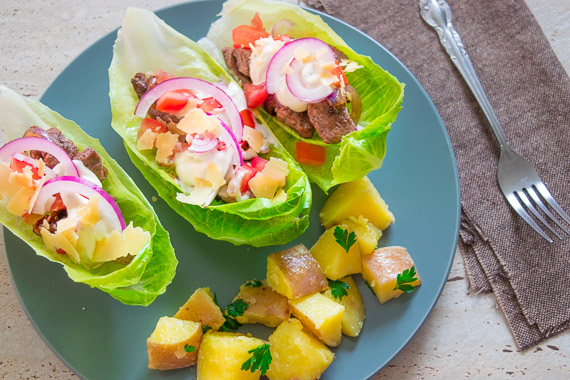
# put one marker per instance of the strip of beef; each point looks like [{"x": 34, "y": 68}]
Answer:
[
  {"x": 331, "y": 122},
  {"x": 92, "y": 161},
  {"x": 142, "y": 84},
  {"x": 299, "y": 121},
  {"x": 237, "y": 61},
  {"x": 51, "y": 218},
  {"x": 55, "y": 136}
]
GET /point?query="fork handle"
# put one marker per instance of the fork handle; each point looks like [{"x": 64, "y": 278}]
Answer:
[{"x": 437, "y": 14}]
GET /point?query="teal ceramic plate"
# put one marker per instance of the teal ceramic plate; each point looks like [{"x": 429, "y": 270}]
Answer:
[{"x": 99, "y": 338}]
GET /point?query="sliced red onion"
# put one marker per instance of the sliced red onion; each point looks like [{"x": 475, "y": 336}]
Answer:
[
  {"x": 276, "y": 69},
  {"x": 281, "y": 27},
  {"x": 201, "y": 143},
  {"x": 24, "y": 144},
  {"x": 230, "y": 140},
  {"x": 76, "y": 185},
  {"x": 27, "y": 159},
  {"x": 307, "y": 92},
  {"x": 217, "y": 93}
]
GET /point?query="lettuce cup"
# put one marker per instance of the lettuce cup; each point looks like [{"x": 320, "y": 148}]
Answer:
[
  {"x": 63, "y": 195},
  {"x": 186, "y": 126}
]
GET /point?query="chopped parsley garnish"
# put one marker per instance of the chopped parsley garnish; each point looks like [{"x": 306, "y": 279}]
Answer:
[
  {"x": 343, "y": 238},
  {"x": 237, "y": 308},
  {"x": 405, "y": 279},
  {"x": 338, "y": 288},
  {"x": 189, "y": 348},
  {"x": 260, "y": 359},
  {"x": 254, "y": 283},
  {"x": 206, "y": 329}
]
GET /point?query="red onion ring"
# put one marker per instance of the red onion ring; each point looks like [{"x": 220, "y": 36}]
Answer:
[
  {"x": 76, "y": 185},
  {"x": 217, "y": 93},
  {"x": 229, "y": 139},
  {"x": 37, "y": 143},
  {"x": 300, "y": 90},
  {"x": 201, "y": 144}
]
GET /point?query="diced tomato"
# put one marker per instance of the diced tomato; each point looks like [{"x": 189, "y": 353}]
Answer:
[
  {"x": 249, "y": 174},
  {"x": 258, "y": 163},
  {"x": 247, "y": 118},
  {"x": 19, "y": 166},
  {"x": 57, "y": 204},
  {"x": 221, "y": 145},
  {"x": 256, "y": 22},
  {"x": 161, "y": 76},
  {"x": 61, "y": 251},
  {"x": 310, "y": 154},
  {"x": 151, "y": 124},
  {"x": 173, "y": 101},
  {"x": 244, "y": 35},
  {"x": 209, "y": 104},
  {"x": 339, "y": 73},
  {"x": 254, "y": 94}
]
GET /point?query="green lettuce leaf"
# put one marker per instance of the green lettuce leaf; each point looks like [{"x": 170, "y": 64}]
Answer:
[
  {"x": 149, "y": 273},
  {"x": 144, "y": 44},
  {"x": 381, "y": 93}
]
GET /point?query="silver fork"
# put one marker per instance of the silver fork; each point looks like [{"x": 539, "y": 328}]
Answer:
[{"x": 517, "y": 179}]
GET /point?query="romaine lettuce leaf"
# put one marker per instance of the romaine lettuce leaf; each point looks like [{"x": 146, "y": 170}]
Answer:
[
  {"x": 149, "y": 273},
  {"x": 146, "y": 43},
  {"x": 381, "y": 93}
]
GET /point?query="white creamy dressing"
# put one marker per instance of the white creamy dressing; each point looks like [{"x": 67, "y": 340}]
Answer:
[
  {"x": 190, "y": 164},
  {"x": 261, "y": 54}
]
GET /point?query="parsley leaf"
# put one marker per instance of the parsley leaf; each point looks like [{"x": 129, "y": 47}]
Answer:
[
  {"x": 237, "y": 307},
  {"x": 189, "y": 348},
  {"x": 254, "y": 283},
  {"x": 343, "y": 238},
  {"x": 206, "y": 328},
  {"x": 405, "y": 279},
  {"x": 338, "y": 288},
  {"x": 260, "y": 359}
]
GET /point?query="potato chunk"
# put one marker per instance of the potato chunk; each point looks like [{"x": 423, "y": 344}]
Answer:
[
  {"x": 354, "y": 199},
  {"x": 265, "y": 305},
  {"x": 222, "y": 354},
  {"x": 295, "y": 273},
  {"x": 367, "y": 234},
  {"x": 201, "y": 307},
  {"x": 296, "y": 353},
  {"x": 381, "y": 268},
  {"x": 321, "y": 315},
  {"x": 174, "y": 343},
  {"x": 333, "y": 258},
  {"x": 353, "y": 316}
]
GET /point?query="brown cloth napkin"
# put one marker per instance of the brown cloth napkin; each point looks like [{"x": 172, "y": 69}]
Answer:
[{"x": 530, "y": 93}]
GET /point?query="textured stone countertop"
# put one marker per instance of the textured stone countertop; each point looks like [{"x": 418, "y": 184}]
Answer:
[{"x": 466, "y": 336}]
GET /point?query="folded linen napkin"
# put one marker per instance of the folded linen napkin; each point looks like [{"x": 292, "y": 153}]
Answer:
[{"x": 530, "y": 92}]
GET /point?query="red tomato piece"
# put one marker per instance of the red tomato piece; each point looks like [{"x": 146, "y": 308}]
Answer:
[
  {"x": 151, "y": 124},
  {"x": 247, "y": 118},
  {"x": 173, "y": 101},
  {"x": 161, "y": 76},
  {"x": 209, "y": 104},
  {"x": 258, "y": 163},
  {"x": 57, "y": 204},
  {"x": 243, "y": 35},
  {"x": 254, "y": 94},
  {"x": 256, "y": 22},
  {"x": 310, "y": 154},
  {"x": 339, "y": 73},
  {"x": 249, "y": 174},
  {"x": 19, "y": 166}
]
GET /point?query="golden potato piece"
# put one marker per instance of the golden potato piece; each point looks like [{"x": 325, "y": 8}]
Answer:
[
  {"x": 295, "y": 273},
  {"x": 381, "y": 268},
  {"x": 174, "y": 343},
  {"x": 265, "y": 305},
  {"x": 353, "y": 316},
  {"x": 201, "y": 307},
  {"x": 333, "y": 258},
  {"x": 222, "y": 354},
  {"x": 367, "y": 234},
  {"x": 320, "y": 315},
  {"x": 354, "y": 199},
  {"x": 297, "y": 354}
]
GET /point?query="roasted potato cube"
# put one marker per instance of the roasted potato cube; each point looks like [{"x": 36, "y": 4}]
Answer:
[
  {"x": 295, "y": 273},
  {"x": 222, "y": 354},
  {"x": 174, "y": 343},
  {"x": 320, "y": 315},
  {"x": 380, "y": 269},
  {"x": 353, "y": 316},
  {"x": 333, "y": 258},
  {"x": 354, "y": 199},
  {"x": 201, "y": 307},
  {"x": 297, "y": 354},
  {"x": 265, "y": 305},
  {"x": 367, "y": 234}
]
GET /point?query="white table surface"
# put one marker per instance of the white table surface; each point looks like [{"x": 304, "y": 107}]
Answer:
[{"x": 466, "y": 336}]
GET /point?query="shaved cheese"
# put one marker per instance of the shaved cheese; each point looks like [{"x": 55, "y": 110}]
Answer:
[
  {"x": 19, "y": 203},
  {"x": 214, "y": 176},
  {"x": 7, "y": 190},
  {"x": 117, "y": 244},
  {"x": 24, "y": 179},
  {"x": 147, "y": 140},
  {"x": 199, "y": 196},
  {"x": 280, "y": 196},
  {"x": 197, "y": 121},
  {"x": 277, "y": 169},
  {"x": 254, "y": 138},
  {"x": 165, "y": 143},
  {"x": 89, "y": 213},
  {"x": 263, "y": 186},
  {"x": 59, "y": 241}
]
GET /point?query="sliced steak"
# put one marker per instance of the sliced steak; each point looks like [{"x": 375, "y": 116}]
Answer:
[
  {"x": 232, "y": 62},
  {"x": 142, "y": 84},
  {"x": 299, "y": 121},
  {"x": 242, "y": 57},
  {"x": 55, "y": 136},
  {"x": 51, "y": 218},
  {"x": 92, "y": 161},
  {"x": 331, "y": 122}
]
